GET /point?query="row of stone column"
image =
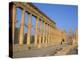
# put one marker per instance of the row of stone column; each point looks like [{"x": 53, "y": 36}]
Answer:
[{"x": 46, "y": 33}]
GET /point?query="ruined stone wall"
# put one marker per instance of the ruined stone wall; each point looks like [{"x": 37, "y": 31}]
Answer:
[{"x": 59, "y": 36}]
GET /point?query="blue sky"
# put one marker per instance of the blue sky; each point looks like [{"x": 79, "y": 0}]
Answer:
[{"x": 65, "y": 16}]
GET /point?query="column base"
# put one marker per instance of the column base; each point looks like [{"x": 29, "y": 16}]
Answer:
[
  {"x": 46, "y": 46},
  {"x": 28, "y": 46},
  {"x": 39, "y": 46},
  {"x": 35, "y": 46},
  {"x": 20, "y": 45}
]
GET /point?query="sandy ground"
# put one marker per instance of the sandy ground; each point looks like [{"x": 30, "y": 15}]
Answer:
[{"x": 41, "y": 52}]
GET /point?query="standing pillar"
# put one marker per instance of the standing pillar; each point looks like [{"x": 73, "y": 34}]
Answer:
[
  {"x": 29, "y": 30},
  {"x": 49, "y": 34},
  {"x": 46, "y": 35},
  {"x": 21, "y": 34},
  {"x": 13, "y": 13},
  {"x": 40, "y": 34},
  {"x": 52, "y": 35},
  {"x": 43, "y": 33},
  {"x": 36, "y": 32}
]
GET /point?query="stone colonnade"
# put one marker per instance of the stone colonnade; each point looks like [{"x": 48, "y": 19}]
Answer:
[{"x": 45, "y": 34}]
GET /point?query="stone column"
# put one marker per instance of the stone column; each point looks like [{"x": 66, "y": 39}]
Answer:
[
  {"x": 49, "y": 34},
  {"x": 46, "y": 35},
  {"x": 52, "y": 35},
  {"x": 36, "y": 32},
  {"x": 40, "y": 32},
  {"x": 43, "y": 33},
  {"x": 13, "y": 20},
  {"x": 21, "y": 33},
  {"x": 29, "y": 30}
]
